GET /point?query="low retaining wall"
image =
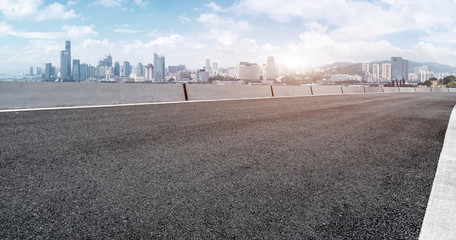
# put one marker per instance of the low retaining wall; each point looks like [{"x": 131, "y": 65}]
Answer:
[
  {"x": 406, "y": 89},
  {"x": 284, "y": 91},
  {"x": 390, "y": 89},
  {"x": 423, "y": 89},
  {"x": 439, "y": 89},
  {"x": 321, "y": 90},
  {"x": 44, "y": 94},
  {"x": 346, "y": 90},
  {"x": 207, "y": 92},
  {"x": 373, "y": 89}
]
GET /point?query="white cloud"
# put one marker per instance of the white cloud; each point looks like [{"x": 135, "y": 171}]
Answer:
[
  {"x": 184, "y": 19},
  {"x": 141, "y": 3},
  {"x": 55, "y": 11},
  {"x": 225, "y": 30},
  {"x": 33, "y": 8},
  {"x": 124, "y": 30},
  {"x": 214, "y": 7},
  {"x": 15, "y": 9},
  {"x": 78, "y": 32},
  {"x": 7, "y": 30},
  {"x": 108, "y": 3}
]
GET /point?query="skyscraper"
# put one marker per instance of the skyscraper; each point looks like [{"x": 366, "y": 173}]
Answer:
[
  {"x": 31, "y": 71},
  {"x": 159, "y": 68},
  {"x": 376, "y": 72},
  {"x": 65, "y": 62},
  {"x": 249, "y": 72},
  {"x": 214, "y": 68},
  {"x": 76, "y": 70},
  {"x": 399, "y": 68},
  {"x": 386, "y": 71},
  {"x": 127, "y": 69},
  {"x": 271, "y": 71},
  {"x": 116, "y": 69},
  {"x": 208, "y": 66},
  {"x": 365, "y": 67}
]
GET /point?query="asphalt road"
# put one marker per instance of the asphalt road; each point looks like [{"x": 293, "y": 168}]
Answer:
[{"x": 327, "y": 167}]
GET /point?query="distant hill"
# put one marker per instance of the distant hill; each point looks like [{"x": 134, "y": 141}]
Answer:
[{"x": 355, "y": 68}]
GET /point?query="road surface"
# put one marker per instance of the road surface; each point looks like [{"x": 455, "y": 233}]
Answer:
[{"x": 338, "y": 167}]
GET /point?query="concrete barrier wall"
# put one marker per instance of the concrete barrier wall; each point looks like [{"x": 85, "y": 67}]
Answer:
[
  {"x": 45, "y": 94},
  {"x": 390, "y": 89},
  {"x": 374, "y": 89},
  {"x": 422, "y": 89},
  {"x": 282, "y": 91},
  {"x": 353, "y": 90},
  {"x": 407, "y": 89},
  {"x": 451, "y": 89},
  {"x": 439, "y": 89},
  {"x": 206, "y": 91},
  {"x": 319, "y": 90}
]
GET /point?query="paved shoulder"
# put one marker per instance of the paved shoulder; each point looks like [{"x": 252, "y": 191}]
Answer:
[{"x": 440, "y": 218}]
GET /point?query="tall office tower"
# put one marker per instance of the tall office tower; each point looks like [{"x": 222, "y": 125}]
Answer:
[
  {"x": 68, "y": 46},
  {"x": 76, "y": 70},
  {"x": 149, "y": 72},
  {"x": 271, "y": 71},
  {"x": 386, "y": 71},
  {"x": 202, "y": 75},
  {"x": 140, "y": 69},
  {"x": 365, "y": 67},
  {"x": 127, "y": 69},
  {"x": 84, "y": 72},
  {"x": 376, "y": 72},
  {"x": 65, "y": 62},
  {"x": 116, "y": 69},
  {"x": 31, "y": 71},
  {"x": 405, "y": 69},
  {"x": 208, "y": 66},
  {"x": 39, "y": 71},
  {"x": 47, "y": 72},
  {"x": 249, "y": 72},
  {"x": 215, "y": 68},
  {"x": 397, "y": 68},
  {"x": 159, "y": 68}
]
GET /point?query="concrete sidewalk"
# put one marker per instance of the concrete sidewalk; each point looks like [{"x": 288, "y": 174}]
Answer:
[{"x": 440, "y": 218}]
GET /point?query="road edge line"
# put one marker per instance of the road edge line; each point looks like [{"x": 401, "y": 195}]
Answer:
[{"x": 440, "y": 217}]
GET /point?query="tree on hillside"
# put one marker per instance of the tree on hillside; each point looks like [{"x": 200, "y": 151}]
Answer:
[{"x": 448, "y": 80}]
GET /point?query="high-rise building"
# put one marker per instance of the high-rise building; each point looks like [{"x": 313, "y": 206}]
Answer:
[
  {"x": 149, "y": 72},
  {"x": 175, "y": 69},
  {"x": 365, "y": 67},
  {"x": 215, "y": 70},
  {"x": 376, "y": 72},
  {"x": 405, "y": 69},
  {"x": 76, "y": 70},
  {"x": 208, "y": 66},
  {"x": 202, "y": 76},
  {"x": 127, "y": 69},
  {"x": 116, "y": 69},
  {"x": 249, "y": 72},
  {"x": 386, "y": 71},
  {"x": 399, "y": 68},
  {"x": 39, "y": 71},
  {"x": 271, "y": 71},
  {"x": 140, "y": 69},
  {"x": 49, "y": 72},
  {"x": 65, "y": 62},
  {"x": 159, "y": 68},
  {"x": 31, "y": 71}
]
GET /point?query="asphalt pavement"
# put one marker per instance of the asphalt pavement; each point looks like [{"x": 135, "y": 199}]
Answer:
[{"x": 320, "y": 167}]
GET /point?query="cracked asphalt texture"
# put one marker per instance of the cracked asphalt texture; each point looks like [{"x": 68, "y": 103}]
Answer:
[{"x": 326, "y": 167}]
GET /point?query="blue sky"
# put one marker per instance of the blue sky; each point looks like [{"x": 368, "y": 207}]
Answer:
[{"x": 296, "y": 32}]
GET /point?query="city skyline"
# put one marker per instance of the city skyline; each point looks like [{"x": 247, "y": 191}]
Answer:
[{"x": 296, "y": 33}]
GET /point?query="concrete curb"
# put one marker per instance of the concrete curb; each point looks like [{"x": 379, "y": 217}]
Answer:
[{"x": 440, "y": 218}]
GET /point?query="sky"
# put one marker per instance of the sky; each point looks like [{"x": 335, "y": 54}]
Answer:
[{"x": 298, "y": 33}]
